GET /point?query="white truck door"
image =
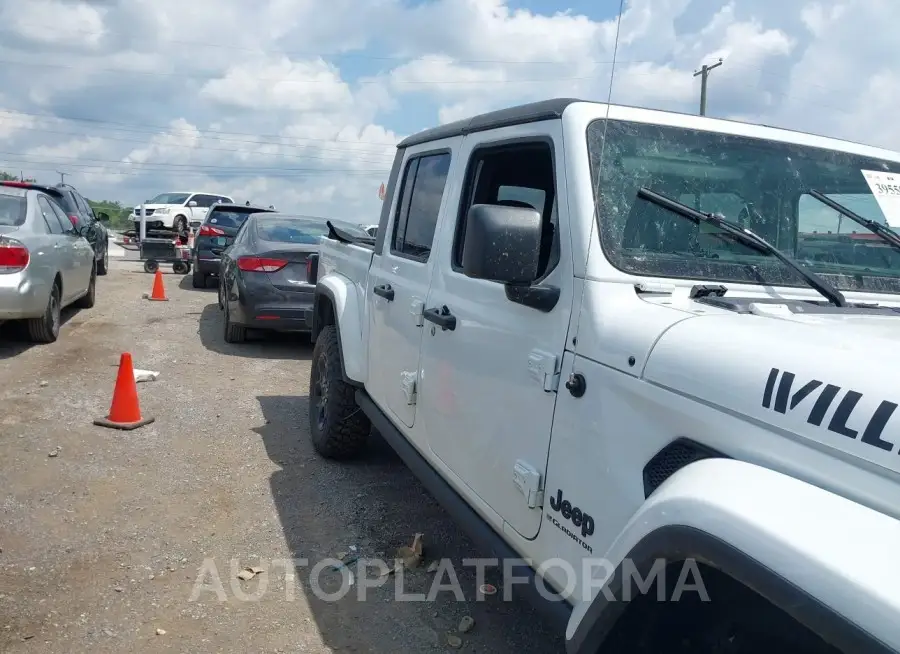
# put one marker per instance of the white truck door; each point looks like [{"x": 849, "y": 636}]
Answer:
[
  {"x": 399, "y": 279},
  {"x": 488, "y": 384}
]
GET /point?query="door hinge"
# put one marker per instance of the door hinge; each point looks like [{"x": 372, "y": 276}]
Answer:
[
  {"x": 528, "y": 481},
  {"x": 544, "y": 368},
  {"x": 417, "y": 310}
]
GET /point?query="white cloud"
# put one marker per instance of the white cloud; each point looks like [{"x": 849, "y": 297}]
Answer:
[
  {"x": 281, "y": 84},
  {"x": 299, "y": 104},
  {"x": 13, "y": 122},
  {"x": 74, "y": 25}
]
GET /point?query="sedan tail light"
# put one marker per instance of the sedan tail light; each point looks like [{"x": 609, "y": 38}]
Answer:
[
  {"x": 14, "y": 256},
  {"x": 257, "y": 264},
  {"x": 209, "y": 230},
  {"x": 312, "y": 268}
]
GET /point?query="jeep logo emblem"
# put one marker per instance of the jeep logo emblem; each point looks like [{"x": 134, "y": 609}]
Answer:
[{"x": 572, "y": 513}]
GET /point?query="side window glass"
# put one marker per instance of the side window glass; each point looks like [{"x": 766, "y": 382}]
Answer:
[
  {"x": 517, "y": 176},
  {"x": 403, "y": 198},
  {"x": 534, "y": 197},
  {"x": 240, "y": 237},
  {"x": 84, "y": 207},
  {"x": 50, "y": 217},
  {"x": 419, "y": 205},
  {"x": 63, "y": 218},
  {"x": 193, "y": 198}
]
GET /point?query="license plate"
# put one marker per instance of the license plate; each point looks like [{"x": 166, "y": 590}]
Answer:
[{"x": 221, "y": 241}]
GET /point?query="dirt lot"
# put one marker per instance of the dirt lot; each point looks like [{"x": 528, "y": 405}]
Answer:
[{"x": 102, "y": 544}]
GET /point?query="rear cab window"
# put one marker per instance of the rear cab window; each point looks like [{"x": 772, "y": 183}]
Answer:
[
  {"x": 419, "y": 204},
  {"x": 13, "y": 207}
]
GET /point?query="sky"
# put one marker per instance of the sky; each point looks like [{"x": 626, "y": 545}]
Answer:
[{"x": 299, "y": 104}]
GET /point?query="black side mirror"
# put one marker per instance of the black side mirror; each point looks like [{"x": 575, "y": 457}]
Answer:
[
  {"x": 102, "y": 217},
  {"x": 502, "y": 244}
]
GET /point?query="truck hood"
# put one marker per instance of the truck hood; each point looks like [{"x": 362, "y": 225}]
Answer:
[{"x": 826, "y": 378}]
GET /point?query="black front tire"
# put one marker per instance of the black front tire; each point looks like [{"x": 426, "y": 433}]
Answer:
[
  {"x": 151, "y": 266},
  {"x": 46, "y": 328},
  {"x": 338, "y": 427},
  {"x": 103, "y": 263},
  {"x": 179, "y": 225},
  {"x": 87, "y": 301}
]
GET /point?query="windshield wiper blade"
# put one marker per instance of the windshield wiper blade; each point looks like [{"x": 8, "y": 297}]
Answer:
[
  {"x": 746, "y": 237},
  {"x": 886, "y": 233}
]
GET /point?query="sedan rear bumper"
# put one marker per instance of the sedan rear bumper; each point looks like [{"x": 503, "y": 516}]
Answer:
[
  {"x": 22, "y": 297},
  {"x": 207, "y": 265},
  {"x": 283, "y": 317}
]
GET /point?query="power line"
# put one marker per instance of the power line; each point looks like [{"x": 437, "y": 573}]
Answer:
[
  {"x": 343, "y": 55},
  {"x": 99, "y": 169},
  {"x": 167, "y": 128},
  {"x": 220, "y": 75},
  {"x": 704, "y": 73},
  {"x": 341, "y": 154},
  {"x": 183, "y": 146},
  {"x": 169, "y": 165}
]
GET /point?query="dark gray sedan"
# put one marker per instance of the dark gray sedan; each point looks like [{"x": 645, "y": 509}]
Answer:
[{"x": 264, "y": 280}]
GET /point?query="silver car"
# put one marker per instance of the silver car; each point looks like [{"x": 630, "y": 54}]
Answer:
[{"x": 45, "y": 265}]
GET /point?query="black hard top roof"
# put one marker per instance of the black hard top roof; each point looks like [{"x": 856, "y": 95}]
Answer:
[
  {"x": 545, "y": 110},
  {"x": 518, "y": 115}
]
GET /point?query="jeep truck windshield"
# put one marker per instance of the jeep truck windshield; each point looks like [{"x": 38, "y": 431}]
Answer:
[
  {"x": 745, "y": 236},
  {"x": 758, "y": 184}
]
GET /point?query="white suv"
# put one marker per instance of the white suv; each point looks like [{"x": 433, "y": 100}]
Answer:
[{"x": 178, "y": 210}]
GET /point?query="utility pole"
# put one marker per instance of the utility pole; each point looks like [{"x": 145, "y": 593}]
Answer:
[
  {"x": 704, "y": 72},
  {"x": 62, "y": 177}
]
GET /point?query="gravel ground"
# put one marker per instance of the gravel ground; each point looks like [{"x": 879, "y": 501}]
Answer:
[{"x": 104, "y": 543}]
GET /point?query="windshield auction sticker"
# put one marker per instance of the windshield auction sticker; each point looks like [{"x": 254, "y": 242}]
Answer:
[{"x": 886, "y": 189}]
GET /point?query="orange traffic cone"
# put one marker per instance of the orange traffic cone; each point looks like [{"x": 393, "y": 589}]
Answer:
[
  {"x": 125, "y": 410},
  {"x": 158, "y": 293}
]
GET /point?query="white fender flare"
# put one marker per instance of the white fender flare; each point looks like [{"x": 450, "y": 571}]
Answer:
[
  {"x": 827, "y": 561},
  {"x": 339, "y": 293}
]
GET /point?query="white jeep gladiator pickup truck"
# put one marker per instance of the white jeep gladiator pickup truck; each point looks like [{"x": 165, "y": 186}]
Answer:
[{"x": 608, "y": 334}]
